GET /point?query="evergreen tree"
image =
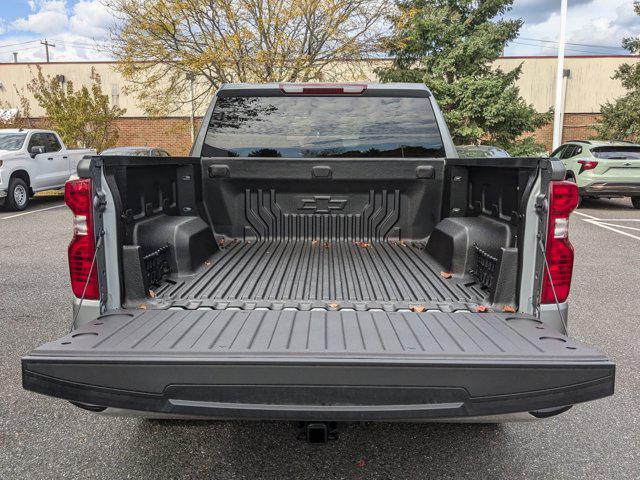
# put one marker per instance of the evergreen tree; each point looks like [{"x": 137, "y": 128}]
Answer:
[{"x": 450, "y": 45}]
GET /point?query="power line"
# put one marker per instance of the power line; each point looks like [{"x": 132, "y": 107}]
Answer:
[
  {"x": 570, "y": 43},
  {"x": 19, "y": 43},
  {"x": 573, "y": 49}
]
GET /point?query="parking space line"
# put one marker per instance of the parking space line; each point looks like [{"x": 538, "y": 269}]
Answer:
[
  {"x": 625, "y": 227},
  {"x": 586, "y": 215},
  {"x": 32, "y": 211},
  {"x": 594, "y": 221}
]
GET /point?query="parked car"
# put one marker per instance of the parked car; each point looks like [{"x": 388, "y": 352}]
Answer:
[
  {"x": 481, "y": 151},
  {"x": 602, "y": 168},
  {"x": 136, "y": 151},
  {"x": 32, "y": 161},
  {"x": 323, "y": 255}
]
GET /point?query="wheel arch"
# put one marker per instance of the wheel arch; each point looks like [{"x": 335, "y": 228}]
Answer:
[{"x": 24, "y": 175}]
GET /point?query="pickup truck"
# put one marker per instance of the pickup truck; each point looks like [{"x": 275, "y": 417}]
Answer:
[
  {"x": 32, "y": 161},
  {"x": 321, "y": 256}
]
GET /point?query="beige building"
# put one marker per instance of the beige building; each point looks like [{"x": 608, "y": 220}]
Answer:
[{"x": 589, "y": 84}]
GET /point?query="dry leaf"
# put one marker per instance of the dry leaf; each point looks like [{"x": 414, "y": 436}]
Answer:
[
  {"x": 446, "y": 274},
  {"x": 417, "y": 308},
  {"x": 508, "y": 309},
  {"x": 314, "y": 243},
  {"x": 325, "y": 244},
  {"x": 402, "y": 244},
  {"x": 334, "y": 305},
  {"x": 221, "y": 242},
  {"x": 142, "y": 306},
  {"x": 208, "y": 263},
  {"x": 363, "y": 244},
  {"x": 152, "y": 294},
  {"x": 481, "y": 308}
]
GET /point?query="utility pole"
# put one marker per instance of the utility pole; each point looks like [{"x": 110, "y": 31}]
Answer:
[
  {"x": 559, "y": 105},
  {"x": 15, "y": 57},
  {"x": 46, "y": 47}
]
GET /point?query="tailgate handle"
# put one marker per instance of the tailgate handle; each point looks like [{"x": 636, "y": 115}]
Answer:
[{"x": 321, "y": 172}]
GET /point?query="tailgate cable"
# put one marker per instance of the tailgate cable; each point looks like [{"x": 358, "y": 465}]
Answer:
[
  {"x": 86, "y": 283},
  {"x": 553, "y": 288}
]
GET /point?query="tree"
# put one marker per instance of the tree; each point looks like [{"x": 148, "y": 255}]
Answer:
[
  {"x": 621, "y": 118},
  {"x": 16, "y": 117},
  {"x": 164, "y": 44},
  {"x": 450, "y": 45},
  {"x": 83, "y": 117}
]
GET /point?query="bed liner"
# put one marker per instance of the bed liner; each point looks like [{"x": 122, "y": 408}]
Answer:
[{"x": 307, "y": 274}]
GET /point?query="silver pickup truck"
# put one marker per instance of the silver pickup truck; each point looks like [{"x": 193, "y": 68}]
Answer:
[{"x": 322, "y": 256}]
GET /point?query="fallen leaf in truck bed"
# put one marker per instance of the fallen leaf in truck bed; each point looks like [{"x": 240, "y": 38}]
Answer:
[
  {"x": 417, "y": 308},
  {"x": 481, "y": 308},
  {"x": 221, "y": 242},
  {"x": 152, "y": 294},
  {"x": 208, "y": 263},
  {"x": 363, "y": 244},
  {"x": 326, "y": 244},
  {"x": 508, "y": 309},
  {"x": 142, "y": 306},
  {"x": 314, "y": 243},
  {"x": 334, "y": 305},
  {"x": 446, "y": 274}
]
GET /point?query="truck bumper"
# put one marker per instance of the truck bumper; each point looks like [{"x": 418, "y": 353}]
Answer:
[
  {"x": 614, "y": 189},
  {"x": 324, "y": 366}
]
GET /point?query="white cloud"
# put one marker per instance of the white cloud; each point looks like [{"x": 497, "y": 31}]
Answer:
[
  {"x": 50, "y": 17},
  {"x": 598, "y": 26},
  {"x": 90, "y": 19},
  {"x": 78, "y": 31}
]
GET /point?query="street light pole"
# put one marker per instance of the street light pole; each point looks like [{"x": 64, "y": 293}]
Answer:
[{"x": 559, "y": 104}]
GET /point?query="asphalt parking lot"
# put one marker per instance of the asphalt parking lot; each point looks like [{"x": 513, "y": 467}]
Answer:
[{"x": 45, "y": 438}]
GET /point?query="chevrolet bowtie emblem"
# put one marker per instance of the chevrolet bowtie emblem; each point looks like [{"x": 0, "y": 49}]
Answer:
[{"x": 323, "y": 204}]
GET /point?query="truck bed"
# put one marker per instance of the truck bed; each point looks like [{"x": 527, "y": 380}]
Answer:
[{"x": 343, "y": 273}]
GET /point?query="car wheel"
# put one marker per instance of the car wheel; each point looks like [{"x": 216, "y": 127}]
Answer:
[
  {"x": 18, "y": 194},
  {"x": 636, "y": 202}
]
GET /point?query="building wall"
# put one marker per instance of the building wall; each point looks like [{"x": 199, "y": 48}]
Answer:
[{"x": 589, "y": 86}]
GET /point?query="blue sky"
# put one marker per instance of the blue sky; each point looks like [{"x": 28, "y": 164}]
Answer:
[{"x": 79, "y": 27}]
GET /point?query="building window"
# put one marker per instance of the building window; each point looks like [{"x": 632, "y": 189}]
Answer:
[{"x": 115, "y": 95}]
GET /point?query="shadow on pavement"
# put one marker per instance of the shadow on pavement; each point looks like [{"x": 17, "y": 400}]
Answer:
[
  {"x": 210, "y": 449},
  {"x": 606, "y": 204},
  {"x": 41, "y": 200}
]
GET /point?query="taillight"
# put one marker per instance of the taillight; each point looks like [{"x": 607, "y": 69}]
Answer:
[
  {"x": 323, "y": 88},
  {"x": 78, "y": 197},
  {"x": 587, "y": 165},
  {"x": 563, "y": 199}
]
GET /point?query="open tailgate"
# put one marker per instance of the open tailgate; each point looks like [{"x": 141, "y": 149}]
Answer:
[{"x": 319, "y": 365}]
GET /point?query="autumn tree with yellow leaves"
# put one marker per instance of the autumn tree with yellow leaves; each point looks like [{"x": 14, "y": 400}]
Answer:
[{"x": 166, "y": 47}]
